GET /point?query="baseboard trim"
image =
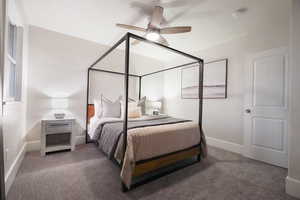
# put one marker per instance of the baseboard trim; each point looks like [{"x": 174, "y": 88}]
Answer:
[
  {"x": 222, "y": 144},
  {"x": 36, "y": 144},
  {"x": 14, "y": 168},
  {"x": 292, "y": 187}
]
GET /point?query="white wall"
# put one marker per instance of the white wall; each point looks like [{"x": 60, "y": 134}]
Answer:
[
  {"x": 223, "y": 119},
  {"x": 152, "y": 86},
  {"x": 293, "y": 179},
  {"x": 14, "y": 117},
  {"x": 58, "y": 67},
  {"x": 99, "y": 85}
]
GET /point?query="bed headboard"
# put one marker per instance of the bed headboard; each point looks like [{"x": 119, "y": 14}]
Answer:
[{"x": 90, "y": 111}]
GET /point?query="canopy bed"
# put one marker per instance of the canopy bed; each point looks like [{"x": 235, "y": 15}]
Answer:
[{"x": 147, "y": 143}]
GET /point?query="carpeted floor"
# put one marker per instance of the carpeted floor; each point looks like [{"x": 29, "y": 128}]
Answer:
[{"x": 87, "y": 174}]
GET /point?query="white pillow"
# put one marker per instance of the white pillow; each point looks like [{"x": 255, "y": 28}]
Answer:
[
  {"x": 142, "y": 104},
  {"x": 98, "y": 107},
  {"x": 111, "y": 109},
  {"x": 134, "y": 112},
  {"x": 130, "y": 104}
]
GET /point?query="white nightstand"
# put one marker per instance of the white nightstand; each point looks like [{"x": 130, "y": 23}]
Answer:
[{"x": 57, "y": 134}]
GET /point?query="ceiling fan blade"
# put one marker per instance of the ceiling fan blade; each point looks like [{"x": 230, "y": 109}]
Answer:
[
  {"x": 135, "y": 28},
  {"x": 135, "y": 42},
  {"x": 175, "y": 29},
  {"x": 163, "y": 41},
  {"x": 157, "y": 16},
  {"x": 180, "y": 3}
]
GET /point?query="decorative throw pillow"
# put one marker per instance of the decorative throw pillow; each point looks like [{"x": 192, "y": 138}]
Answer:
[
  {"x": 142, "y": 104},
  {"x": 134, "y": 112},
  {"x": 111, "y": 109},
  {"x": 132, "y": 103}
]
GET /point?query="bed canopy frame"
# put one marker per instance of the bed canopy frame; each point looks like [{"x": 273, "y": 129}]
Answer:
[{"x": 126, "y": 38}]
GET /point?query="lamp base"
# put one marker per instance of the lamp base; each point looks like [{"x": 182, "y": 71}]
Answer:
[
  {"x": 59, "y": 115},
  {"x": 155, "y": 112}
]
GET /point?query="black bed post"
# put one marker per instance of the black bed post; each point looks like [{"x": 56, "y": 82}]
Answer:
[
  {"x": 126, "y": 79},
  {"x": 140, "y": 87},
  {"x": 87, "y": 104},
  {"x": 201, "y": 70}
]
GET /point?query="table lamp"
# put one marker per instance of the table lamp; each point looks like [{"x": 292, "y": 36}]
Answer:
[
  {"x": 59, "y": 105},
  {"x": 156, "y": 107}
]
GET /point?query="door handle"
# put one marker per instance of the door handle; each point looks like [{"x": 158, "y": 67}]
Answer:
[{"x": 248, "y": 111}]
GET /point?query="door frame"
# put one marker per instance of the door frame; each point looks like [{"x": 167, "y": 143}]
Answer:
[
  {"x": 248, "y": 79},
  {"x": 2, "y": 35}
]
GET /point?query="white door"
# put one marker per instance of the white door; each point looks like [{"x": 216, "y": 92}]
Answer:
[
  {"x": 2, "y": 174},
  {"x": 266, "y": 107}
]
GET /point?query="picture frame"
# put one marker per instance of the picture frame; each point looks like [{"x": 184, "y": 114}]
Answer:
[{"x": 214, "y": 83}]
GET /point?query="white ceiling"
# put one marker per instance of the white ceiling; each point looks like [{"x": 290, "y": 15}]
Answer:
[{"x": 211, "y": 20}]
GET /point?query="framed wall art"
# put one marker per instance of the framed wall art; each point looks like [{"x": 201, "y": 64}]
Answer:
[{"x": 214, "y": 83}]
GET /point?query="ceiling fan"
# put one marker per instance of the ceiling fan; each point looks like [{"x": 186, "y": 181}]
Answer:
[{"x": 154, "y": 30}]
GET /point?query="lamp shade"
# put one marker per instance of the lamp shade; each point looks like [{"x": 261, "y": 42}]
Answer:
[{"x": 59, "y": 103}]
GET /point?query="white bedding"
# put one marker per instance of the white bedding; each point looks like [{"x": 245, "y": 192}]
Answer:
[{"x": 95, "y": 122}]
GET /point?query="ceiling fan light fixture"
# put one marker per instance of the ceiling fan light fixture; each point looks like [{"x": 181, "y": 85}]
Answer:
[{"x": 153, "y": 36}]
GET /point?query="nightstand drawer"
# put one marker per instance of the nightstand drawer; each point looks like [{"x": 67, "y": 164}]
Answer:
[{"x": 58, "y": 127}]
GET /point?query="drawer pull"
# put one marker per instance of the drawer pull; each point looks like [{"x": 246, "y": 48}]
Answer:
[{"x": 53, "y": 125}]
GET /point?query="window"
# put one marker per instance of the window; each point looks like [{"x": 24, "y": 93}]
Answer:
[
  {"x": 12, "y": 41},
  {"x": 13, "y": 68}
]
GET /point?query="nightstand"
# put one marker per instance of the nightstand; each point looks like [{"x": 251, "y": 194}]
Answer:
[{"x": 57, "y": 135}]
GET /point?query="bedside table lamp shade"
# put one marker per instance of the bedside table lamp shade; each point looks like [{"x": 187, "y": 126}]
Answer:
[
  {"x": 59, "y": 103},
  {"x": 59, "y": 106}
]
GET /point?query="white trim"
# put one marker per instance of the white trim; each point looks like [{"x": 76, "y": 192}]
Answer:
[
  {"x": 36, "y": 144},
  {"x": 292, "y": 187},
  {"x": 222, "y": 144},
  {"x": 14, "y": 168}
]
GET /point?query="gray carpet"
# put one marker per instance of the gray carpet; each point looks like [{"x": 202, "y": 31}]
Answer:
[{"x": 87, "y": 174}]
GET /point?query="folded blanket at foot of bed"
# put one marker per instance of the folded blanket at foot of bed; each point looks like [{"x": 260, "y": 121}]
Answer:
[{"x": 149, "y": 142}]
